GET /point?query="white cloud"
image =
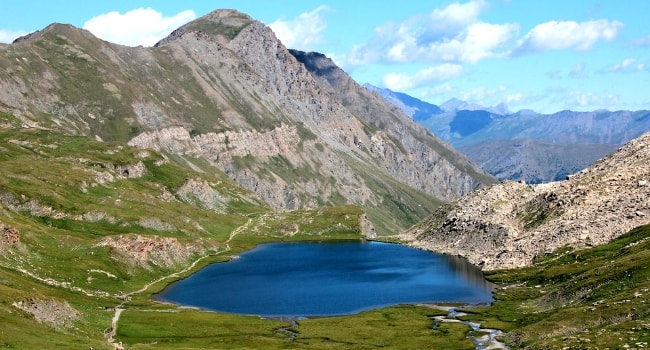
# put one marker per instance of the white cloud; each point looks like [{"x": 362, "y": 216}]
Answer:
[
  {"x": 514, "y": 99},
  {"x": 142, "y": 26},
  {"x": 458, "y": 13},
  {"x": 451, "y": 34},
  {"x": 303, "y": 31},
  {"x": 590, "y": 101},
  {"x": 439, "y": 93},
  {"x": 8, "y": 36},
  {"x": 628, "y": 64},
  {"x": 481, "y": 94},
  {"x": 403, "y": 82},
  {"x": 559, "y": 35}
]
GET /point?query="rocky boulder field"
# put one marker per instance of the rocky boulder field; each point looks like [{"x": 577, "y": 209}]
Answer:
[{"x": 509, "y": 224}]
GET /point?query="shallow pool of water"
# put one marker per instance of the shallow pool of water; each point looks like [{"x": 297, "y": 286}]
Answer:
[{"x": 326, "y": 279}]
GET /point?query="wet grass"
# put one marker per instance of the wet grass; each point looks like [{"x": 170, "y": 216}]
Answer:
[{"x": 400, "y": 327}]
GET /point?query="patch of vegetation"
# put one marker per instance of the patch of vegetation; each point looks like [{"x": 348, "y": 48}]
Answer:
[
  {"x": 9, "y": 121},
  {"x": 245, "y": 162},
  {"x": 401, "y": 206},
  {"x": 304, "y": 133},
  {"x": 401, "y": 327},
  {"x": 283, "y": 168},
  {"x": 539, "y": 210},
  {"x": 594, "y": 298},
  {"x": 391, "y": 328},
  {"x": 228, "y": 28}
]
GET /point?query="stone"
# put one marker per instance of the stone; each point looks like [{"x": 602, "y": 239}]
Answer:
[{"x": 10, "y": 235}]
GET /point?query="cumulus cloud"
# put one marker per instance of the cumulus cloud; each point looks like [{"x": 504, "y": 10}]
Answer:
[
  {"x": 402, "y": 82},
  {"x": 452, "y": 34},
  {"x": 142, "y": 26},
  {"x": 8, "y": 36},
  {"x": 303, "y": 31},
  {"x": 453, "y": 18},
  {"x": 559, "y": 35}
]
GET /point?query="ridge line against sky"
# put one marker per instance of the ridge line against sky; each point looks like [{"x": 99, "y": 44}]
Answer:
[{"x": 543, "y": 55}]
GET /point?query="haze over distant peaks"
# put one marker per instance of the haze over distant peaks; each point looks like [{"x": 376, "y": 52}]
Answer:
[{"x": 525, "y": 145}]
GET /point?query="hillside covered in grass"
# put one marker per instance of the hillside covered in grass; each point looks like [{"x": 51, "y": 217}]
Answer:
[
  {"x": 88, "y": 225},
  {"x": 597, "y": 298}
]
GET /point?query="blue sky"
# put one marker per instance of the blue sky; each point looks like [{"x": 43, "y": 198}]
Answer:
[{"x": 543, "y": 55}]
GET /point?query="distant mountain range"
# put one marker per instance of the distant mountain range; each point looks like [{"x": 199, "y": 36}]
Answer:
[{"x": 525, "y": 145}]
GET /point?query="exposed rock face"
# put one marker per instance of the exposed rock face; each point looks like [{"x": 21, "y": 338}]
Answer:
[
  {"x": 144, "y": 250},
  {"x": 56, "y": 313},
  {"x": 535, "y": 161},
  {"x": 203, "y": 193},
  {"x": 509, "y": 224},
  {"x": 9, "y": 235},
  {"x": 431, "y": 166},
  {"x": 367, "y": 230}
]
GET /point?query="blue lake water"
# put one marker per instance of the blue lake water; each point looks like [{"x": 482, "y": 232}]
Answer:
[{"x": 326, "y": 279}]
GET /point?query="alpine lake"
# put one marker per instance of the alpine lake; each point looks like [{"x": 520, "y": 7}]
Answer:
[{"x": 304, "y": 280}]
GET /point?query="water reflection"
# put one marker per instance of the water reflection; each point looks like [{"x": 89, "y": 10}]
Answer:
[{"x": 471, "y": 273}]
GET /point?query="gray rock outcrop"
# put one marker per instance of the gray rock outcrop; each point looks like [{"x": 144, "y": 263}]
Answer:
[{"x": 509, "y": 224}]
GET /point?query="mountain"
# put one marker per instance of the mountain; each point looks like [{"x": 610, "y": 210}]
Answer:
[
  {"x": 565, "y": 127},
  {"x": 526, "y": 145},
  {"x": 222, "y": 91},
  {"x": 535, "y": 161},
  {"x": 454, "y": 105},
  {"x": 413, "y": 107},
  {"x": 510, "y": 224}
]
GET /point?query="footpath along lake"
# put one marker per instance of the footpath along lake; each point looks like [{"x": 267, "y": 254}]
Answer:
[{"x": 327, "y": 279}]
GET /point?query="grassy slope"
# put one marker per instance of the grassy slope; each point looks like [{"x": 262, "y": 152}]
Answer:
[
  {"x": 597, "y": 298},
  {"x": 49, "y": 191}
]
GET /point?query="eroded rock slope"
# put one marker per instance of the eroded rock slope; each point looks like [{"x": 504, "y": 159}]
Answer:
[{"x": 509, "y": 224}]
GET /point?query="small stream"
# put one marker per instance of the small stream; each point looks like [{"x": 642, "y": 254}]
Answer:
[{"x": 483, "y": 338}]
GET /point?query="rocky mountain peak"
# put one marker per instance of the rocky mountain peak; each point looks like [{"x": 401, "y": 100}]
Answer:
[
  {"x": 56, "y": 29},
  {"x": 223, "y": 24},
  {"x": 320, "y": 65}
]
